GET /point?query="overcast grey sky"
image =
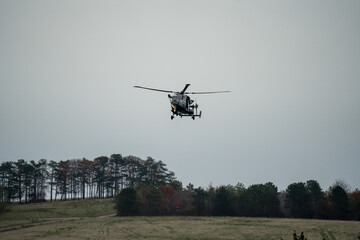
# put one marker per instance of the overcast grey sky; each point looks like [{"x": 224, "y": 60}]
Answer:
[{"x": 67, "y": 70}]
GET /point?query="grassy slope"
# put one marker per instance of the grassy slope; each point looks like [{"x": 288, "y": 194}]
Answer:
[
  {"x": 28, "y": 222},
  {"x": 60, "y": 209},
  {"x": 22, "y": 214}
]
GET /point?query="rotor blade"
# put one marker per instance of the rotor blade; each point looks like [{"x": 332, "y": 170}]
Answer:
[
  {"x": 186, "y": 86},
  {"x": 207, "y": 92},
  {"x": 154, "y": 89}
]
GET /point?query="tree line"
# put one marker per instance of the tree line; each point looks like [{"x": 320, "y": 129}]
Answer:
[
  {"x": 299, "y": 200},
  {"x": 147, "y": 187},
  {"x": 30, "y": 181}
]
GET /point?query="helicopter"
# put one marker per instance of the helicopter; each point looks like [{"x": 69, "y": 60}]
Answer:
[{"x": 181, "y": 104}]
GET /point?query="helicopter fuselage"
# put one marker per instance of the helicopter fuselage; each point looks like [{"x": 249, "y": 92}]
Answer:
[{"x": 182, "y": 105}]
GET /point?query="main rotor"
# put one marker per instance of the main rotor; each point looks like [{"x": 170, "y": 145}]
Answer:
[{"x": 183, "y": 92}]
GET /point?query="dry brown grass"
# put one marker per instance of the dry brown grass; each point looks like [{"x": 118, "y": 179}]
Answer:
[
  {"x": 181, "y": 228},
  {"x": 82, "y": 220}
]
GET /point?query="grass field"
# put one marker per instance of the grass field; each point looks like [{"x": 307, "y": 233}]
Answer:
[{"x": 94, "y": 219}]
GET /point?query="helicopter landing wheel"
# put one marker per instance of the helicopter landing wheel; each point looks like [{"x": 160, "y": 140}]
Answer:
[
  {"x": 193, "y": 117},
  {"x": 172, "y": 117}
]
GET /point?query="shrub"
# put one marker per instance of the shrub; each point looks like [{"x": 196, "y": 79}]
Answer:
[{"x": 127, "y": 202}]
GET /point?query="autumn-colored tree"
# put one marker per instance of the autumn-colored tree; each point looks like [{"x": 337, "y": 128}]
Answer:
[
  {"x": 355, "y": 205},
  {"x": 150, "y": 200},
  {"x": 170, "y": 201}
]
